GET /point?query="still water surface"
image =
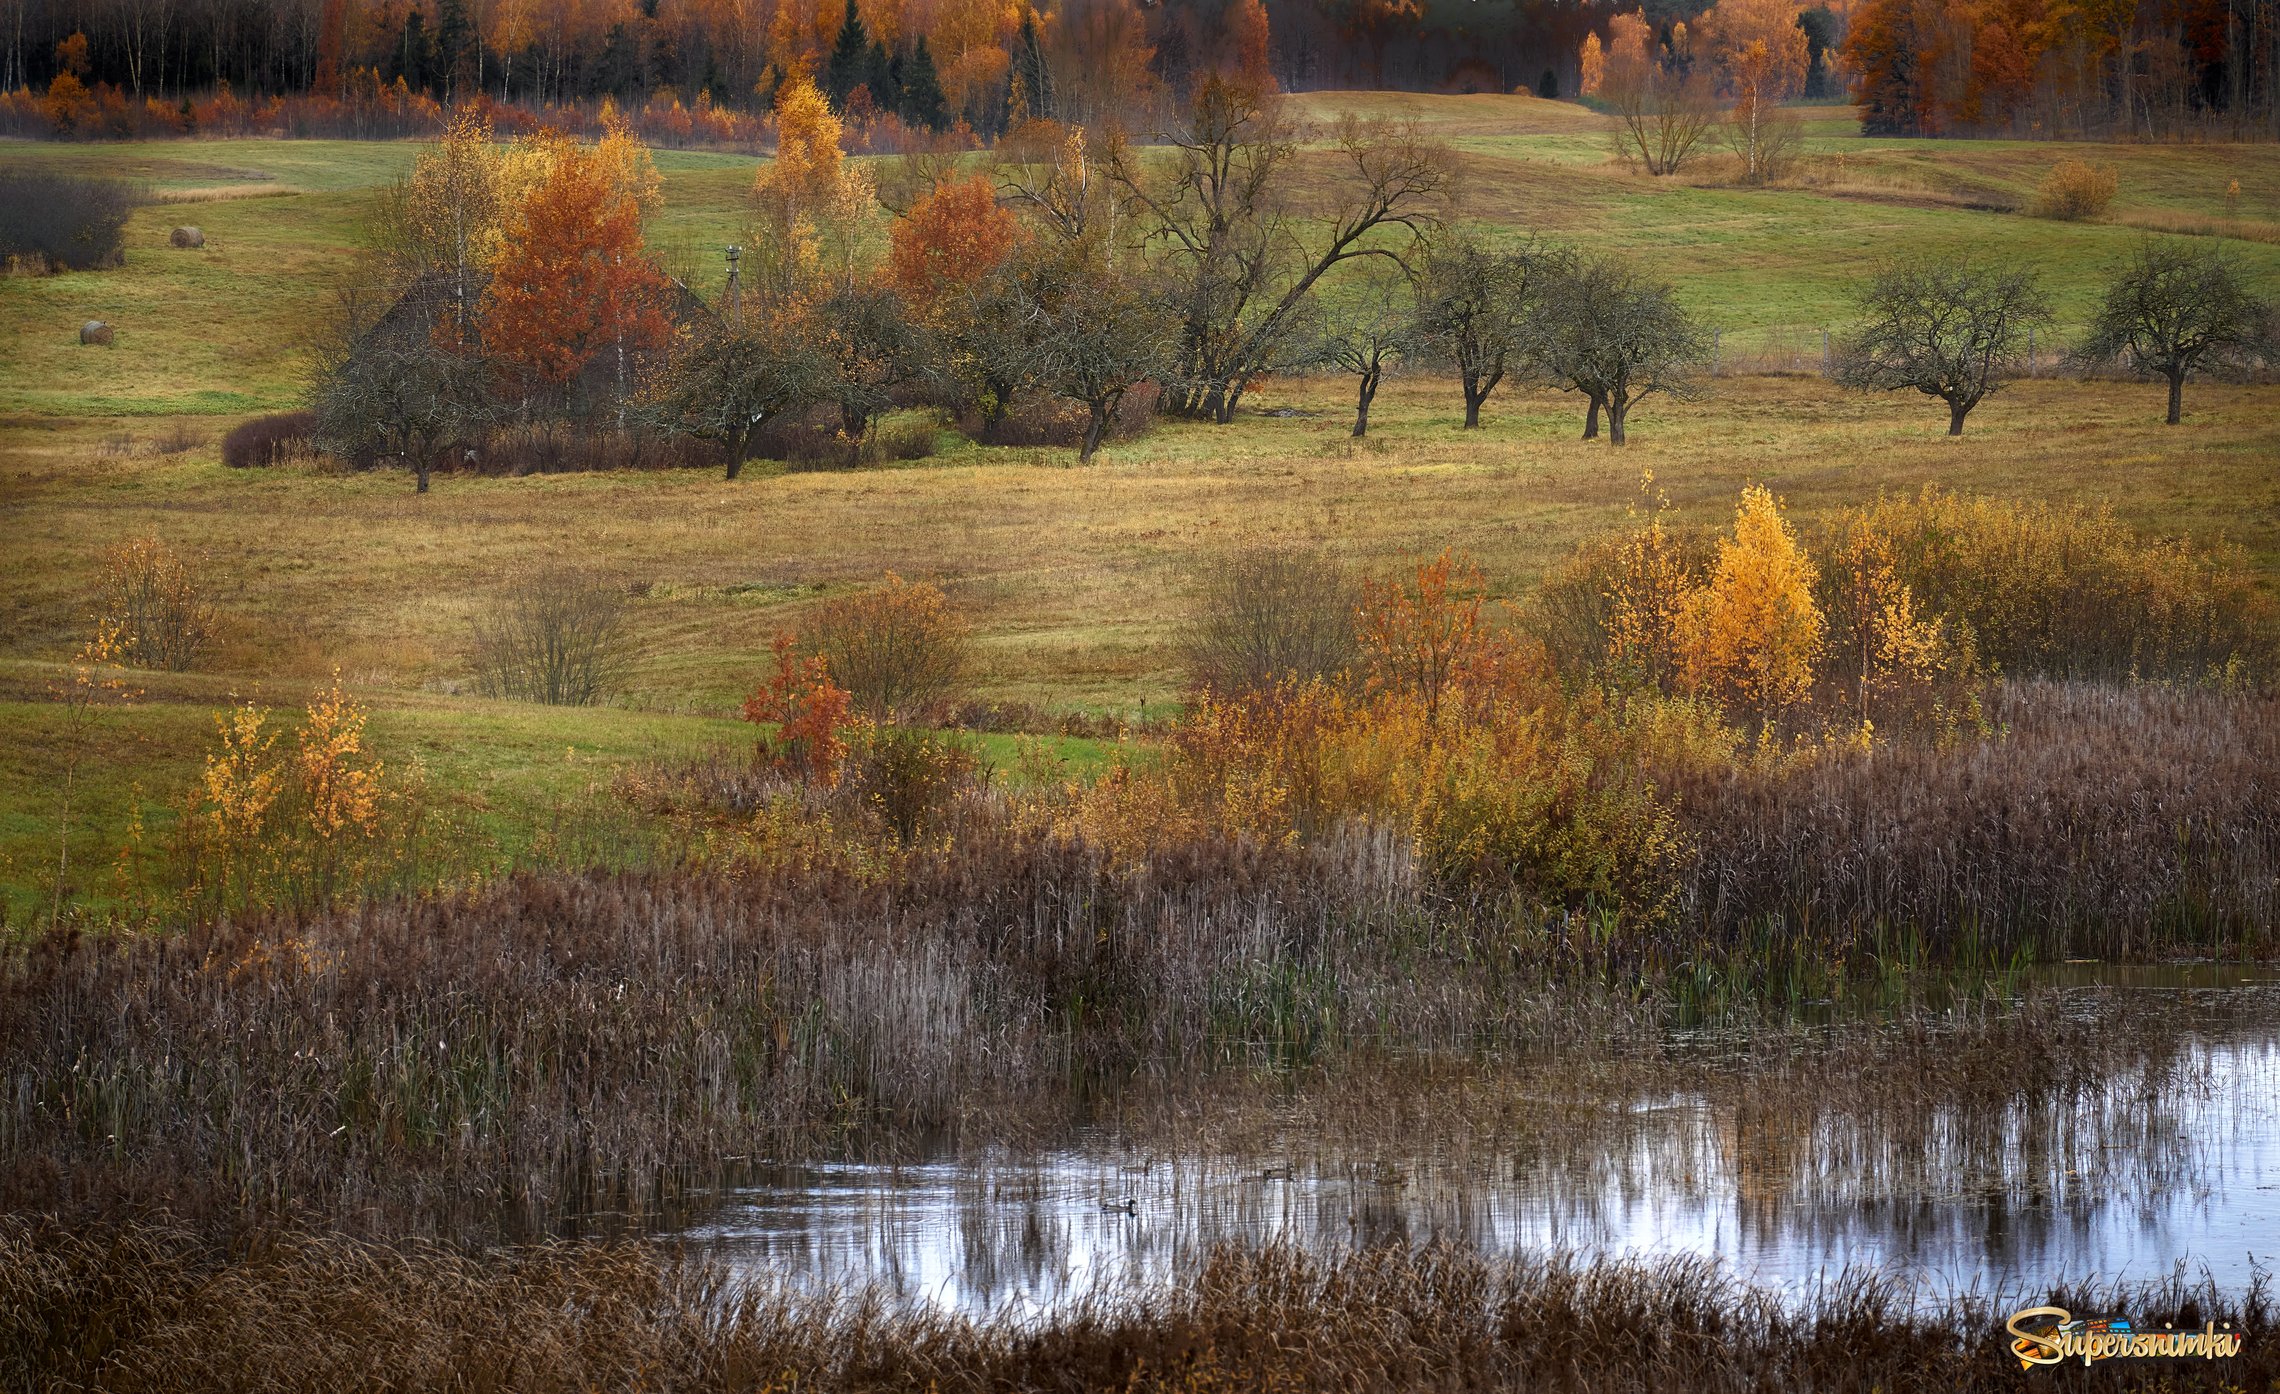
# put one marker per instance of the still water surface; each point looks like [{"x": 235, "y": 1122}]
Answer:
[{"x": 2124, "y": 1182}]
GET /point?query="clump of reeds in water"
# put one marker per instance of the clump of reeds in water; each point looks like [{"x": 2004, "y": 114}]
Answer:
[{"x": 137, "y": 1307}]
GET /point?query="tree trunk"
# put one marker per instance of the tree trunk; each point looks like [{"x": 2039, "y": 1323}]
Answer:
[
  {"x": 1362, "y": 402},
  {"x": 422, "y": 465},
  {"x": 1473, "y": 398},
  {"x": 738, "y": 445},
  {"x": 1618, "y": 411},
  {"x": 1096, "y": 426},
  {"x": 2176, "y": 398},
  {"x": 1591, "y": 419},
  {"x": 1956, "y": 412}
]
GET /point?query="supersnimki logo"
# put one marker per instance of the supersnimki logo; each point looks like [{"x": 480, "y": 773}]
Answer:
[{"x": 2052, "y": 1335}]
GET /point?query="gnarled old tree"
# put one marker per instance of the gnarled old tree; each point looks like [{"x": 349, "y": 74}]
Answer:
[
  {"x": 1480, "y": 310},
  {"x": 730, "y": 374},
  {"x": 1237, "y": 243},
  {"x": 1954, "y": 331},
  {"x": 1616, "y": 335},
  {"x": 2176, "y": 310}
]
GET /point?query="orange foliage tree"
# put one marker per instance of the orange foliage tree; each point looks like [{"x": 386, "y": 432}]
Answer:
[
  {"x": 951, "y": 239},
  {"x": 1425, "y": 637},
  {"x": 1752, "y": 635},
  {"x": 572, "y": 278},
  {"x": 809, "y": 712}
]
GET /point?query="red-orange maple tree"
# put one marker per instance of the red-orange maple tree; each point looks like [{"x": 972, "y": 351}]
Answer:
[{"x": 572, "y": 278}]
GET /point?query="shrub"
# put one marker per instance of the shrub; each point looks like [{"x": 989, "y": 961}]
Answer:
[
  {"x": 809, "y": 712},
  {"x": 267, "y": 440},
  {"x": 2061, "y": 591},
  {"x": 1269, "y": 615},
  {"x": 304, "y": 824},
  {"x": 70, "y": 221},
  {"x": 2075, "y": 190},
  {"x": 898, "y": 649},
  {"x": 156, "y": 604},
  {"x": 556, "y": 637},
  {"x": 906, "y": 780}
]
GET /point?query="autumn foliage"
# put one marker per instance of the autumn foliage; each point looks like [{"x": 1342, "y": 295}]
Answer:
[
  {"x": 809, "y": 713},
  {"x": 300, "y": 821},
  {"x": 952, "y": 238},
  {"x": 572, "y": 278}
]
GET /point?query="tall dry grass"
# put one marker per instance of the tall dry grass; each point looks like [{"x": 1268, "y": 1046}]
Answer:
[
  {"x": 132, "y": 1307},
  {"x": 2100, "y": 821}
]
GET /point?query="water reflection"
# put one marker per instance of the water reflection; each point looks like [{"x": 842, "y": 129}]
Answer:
[{"x": 2155, "y": 1166}]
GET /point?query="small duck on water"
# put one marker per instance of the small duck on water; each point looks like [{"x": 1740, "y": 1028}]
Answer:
[{"x": 1126, "y": 1206}]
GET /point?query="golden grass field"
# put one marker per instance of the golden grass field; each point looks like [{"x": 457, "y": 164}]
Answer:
[{"x": 1075, "y": 579}]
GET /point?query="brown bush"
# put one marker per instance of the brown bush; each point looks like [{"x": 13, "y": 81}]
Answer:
[
  {"x": 267, "y": 440},
  {"x": 2075, "y": 190},
  {"x": 570, "y": 447},
  {"x": 898, "y": 648},
  {"x": 1055, "y": 421},
  {"x": 2102, "y": 821},
  {"x": 157, "y": 605},
  {"x": 1269, "y": 615},
  {"x": 555, "y": 636}
]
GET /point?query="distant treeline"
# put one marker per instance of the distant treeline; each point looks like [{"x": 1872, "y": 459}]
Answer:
[{"x": 2132, "y": 68}]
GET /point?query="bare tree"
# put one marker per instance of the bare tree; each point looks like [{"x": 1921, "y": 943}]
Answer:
[
  {"x": 1268, "y": 615},
  {"x": 388, "y": 387},
  {"x": 1366, "y": 331},
  {"x": 1661, "y": 116},
  {"x": 872, "y": 345},
  {"x": 1239, "y": 250},
  {"x": 1088, "y": 332},
  {"x": 1616, "y": 335},
  {"x": 1953, "y": 331},
  {"x": 2175, "y": 310},
  {"x": 1477, "y": 308},
  {"x": 728, "y": 376},
  {"x": 556, "y": 637}
]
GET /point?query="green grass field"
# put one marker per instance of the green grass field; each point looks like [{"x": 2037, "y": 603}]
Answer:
[{"x": 1076, "y": 580}]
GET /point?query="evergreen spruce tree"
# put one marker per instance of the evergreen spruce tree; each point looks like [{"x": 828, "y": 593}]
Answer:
[
  {"x": 1030, "y": 93},
  {"x": 454, "y": 46},
  {"x": 843, "y": 72},
  {"x": 879, "y": 74},
  {"x": 922, "y": 100}
]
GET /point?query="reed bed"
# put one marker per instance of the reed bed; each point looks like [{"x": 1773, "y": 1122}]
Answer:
[
  {"x": 2100, "y": 821},
  {"x": 572, "y": 1055},
  {"x": 138, "y": 1306}
]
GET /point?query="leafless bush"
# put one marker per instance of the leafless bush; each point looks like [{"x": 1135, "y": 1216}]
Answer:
[
  {"x": 63, "y": 221},
  {"x": 898, "y": 648},
  {"x": 556, "y": 637},
  {"x": 179, "y": 438},
  {"x": 157, "y": 604},
  {"x": 1054, "y": 421},
  {"x": 1269, "y": 615},
  {"x": 267, "y": 440},
  {"x": 568, "y": 447}
]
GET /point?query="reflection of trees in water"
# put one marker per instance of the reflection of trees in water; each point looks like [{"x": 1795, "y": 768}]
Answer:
[{"x": 1784, "y": 1181}]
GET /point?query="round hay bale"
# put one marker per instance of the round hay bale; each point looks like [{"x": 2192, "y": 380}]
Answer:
[
  {"x": 189, "y": 238},
  {"x": 95, "y": 331}
]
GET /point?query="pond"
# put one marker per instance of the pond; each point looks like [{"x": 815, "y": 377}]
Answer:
[{"x": 2175, "y": 1160}]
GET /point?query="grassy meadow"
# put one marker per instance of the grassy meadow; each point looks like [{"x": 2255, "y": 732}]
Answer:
[
  {"x": 1076, "y": 580},
  {"x": 275, "y": 1122}
]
